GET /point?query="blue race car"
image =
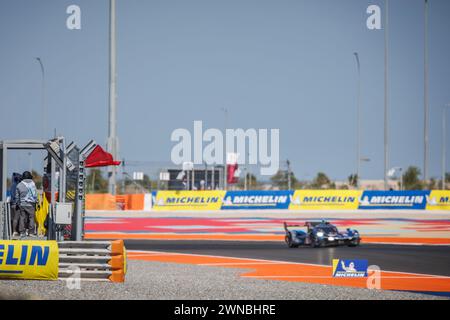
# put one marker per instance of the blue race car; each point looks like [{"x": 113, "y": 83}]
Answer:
[{"x": 318, "y": 234}]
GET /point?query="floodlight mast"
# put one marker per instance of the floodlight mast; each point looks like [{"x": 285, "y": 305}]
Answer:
[{"x": 112, "y": 128}]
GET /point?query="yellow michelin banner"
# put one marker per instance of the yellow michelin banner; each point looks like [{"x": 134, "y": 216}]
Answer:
[
  {"x": 35, "y": 260},
  {"x": 438, "y": 200},
  {"x": 188, "y": 200},
  {"x": 325, "y": 200}
]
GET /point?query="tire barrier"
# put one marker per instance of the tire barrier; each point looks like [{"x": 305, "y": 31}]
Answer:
[{"x": 93, "y": 260}]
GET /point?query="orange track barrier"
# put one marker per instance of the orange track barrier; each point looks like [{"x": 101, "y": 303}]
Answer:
[
  {"x": 110, "y": 202},
  {"x": 135, "y": 201},
  {"x": 122, "y": 202},
  {"x": 100, "y": 202}
]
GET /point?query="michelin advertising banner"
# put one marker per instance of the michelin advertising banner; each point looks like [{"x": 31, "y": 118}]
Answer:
[
  {"x": 188, "y": 200},
  {"x": 300, "y": 200},
  {"x": 257, "y": 200},
  {"x": 35, "y": 260},
  {"x": 416, "y": 200},
  {"x": 325, "y": 200},
  {"x": 350, "y": 268},
  {"x": 438, "y": 200}
]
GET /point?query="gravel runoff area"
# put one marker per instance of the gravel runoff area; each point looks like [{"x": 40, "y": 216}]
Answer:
[{"x": 154, "y": 280}]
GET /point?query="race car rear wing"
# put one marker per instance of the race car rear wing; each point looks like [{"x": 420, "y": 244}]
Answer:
[{"x": 286, "y": 225}]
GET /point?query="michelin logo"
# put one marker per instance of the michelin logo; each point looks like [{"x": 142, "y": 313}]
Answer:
[
  {"x": 180, "y": 201},
  {"x": 157, "y": 202},
  {"x": 192, "y": 200},
  {"x": 11, "y": 256},
  {"x": 350, "y": 268},
  {"x": 255, "y": 200},
  {"x": 443, "y": 201},
  {"x": 391, "y": 200},
  {"x": 296, "y": 201},
  {"x": 432, "y": 201},
  {"x": 327, "y": 199},
  {"x": 187, "y": 201}
]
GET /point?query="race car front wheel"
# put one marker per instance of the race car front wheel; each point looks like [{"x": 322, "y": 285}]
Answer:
[
  {"x": 316, "y": 243},
  {"x": 354, "y": 243},
  {"x": 290, "y": 243}
]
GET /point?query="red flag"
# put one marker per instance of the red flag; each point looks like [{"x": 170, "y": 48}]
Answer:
[
  {"x": 232, "y": 169},
  {"x": 100, "y": 158}
]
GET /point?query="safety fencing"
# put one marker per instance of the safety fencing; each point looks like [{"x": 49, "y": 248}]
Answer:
[
  {"x": 50, "y": 260},
  {"x": 5, "y": 220},
  {"x": 3, "y": 230},
  {"x": 279, "y": 200}
]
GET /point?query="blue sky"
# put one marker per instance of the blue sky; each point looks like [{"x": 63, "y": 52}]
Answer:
[{"x": 273, "y": 64}]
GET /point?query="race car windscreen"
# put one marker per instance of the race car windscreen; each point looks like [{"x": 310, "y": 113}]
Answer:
[{"x": 327, "y": 229}]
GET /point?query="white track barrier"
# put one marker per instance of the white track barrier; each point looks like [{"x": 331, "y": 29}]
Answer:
[{"x": 94, "y": 260}]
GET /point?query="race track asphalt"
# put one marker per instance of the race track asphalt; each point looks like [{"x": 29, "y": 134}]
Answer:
[{"x": 433, "y": 260}]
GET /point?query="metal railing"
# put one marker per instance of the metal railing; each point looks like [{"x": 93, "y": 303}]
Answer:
[
  {"x": 92, "y": 260},
  {"x": 2, "y": 224},
  {"x": 5, "y": 220}
]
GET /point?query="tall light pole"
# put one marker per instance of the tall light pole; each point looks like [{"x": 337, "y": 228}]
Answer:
[
  {"x": 225, "y": 171},
  {"x": 44, "y": 109},
  {"x": 426, "y": 105},
  {"x": 206, "y": 176},
  {"x": 444, "y": 141},
  {"x": 30, "y": 162},
  {"x": 112, "y": 133},
  {"x": 245, "y": 178},
  {"x": 358, "y": 120},
  {"x": 386, "y": 93},
  {"x": 289, "y": 177}
]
